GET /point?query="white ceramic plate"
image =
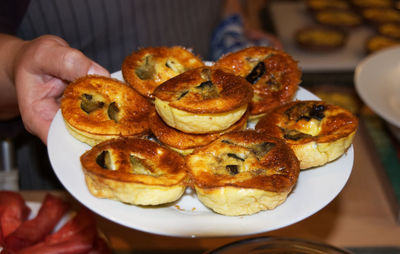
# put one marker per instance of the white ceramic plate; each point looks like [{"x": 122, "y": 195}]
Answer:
[
  {"x": 188, "y": 217},
  {"x": 377, "y": 81}
]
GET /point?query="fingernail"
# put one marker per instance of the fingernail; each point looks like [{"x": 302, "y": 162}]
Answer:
[{"x": 98, "y": 70}]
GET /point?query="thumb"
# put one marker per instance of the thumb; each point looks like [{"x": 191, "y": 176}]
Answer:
[
  {"x": 72, "y": 64},
  {"x": 52, "y": 55}
]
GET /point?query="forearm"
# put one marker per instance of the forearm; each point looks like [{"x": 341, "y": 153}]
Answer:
[{"x": 9, "y": 47}]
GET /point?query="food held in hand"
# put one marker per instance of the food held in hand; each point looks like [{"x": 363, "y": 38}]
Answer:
[
  {"x": 242, "y": 173},
  {"x": 147, "y": 68},
  {"x": 98, "y": 108},
  {"x": 316, "y": 131},
  {"x": 203, "y": 100},
  {"x": 134, "y": 171},
  {"x": 184, "y": 143},
  {"x": 273, "y": 75}
]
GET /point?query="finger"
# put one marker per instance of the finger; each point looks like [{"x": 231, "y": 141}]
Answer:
[{"x": 56, "y": 59}]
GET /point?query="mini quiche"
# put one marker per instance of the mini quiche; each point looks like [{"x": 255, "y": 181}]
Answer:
[
  {"x": 391, "y": 30},
  {"x": 316, "y": 131},
  {"x": 147, "y": 68},
  {"x": 185, "y": 143},
  {"x": 273, "y": 74},
  {"x": 372, "y": 3},
  {"x": 97, "y": 108},
  {"x": 321, "y": 39},
  {"x": 377, "y": 16},
  {"x": 134, "y": 171},
  {"x": 378, "y": 42},
  {"x": 316, "y": 5},
  {"x": 343, "y": 19},
  {"x": 203, "y": 100},
  {"x": 243, "y": 172}
]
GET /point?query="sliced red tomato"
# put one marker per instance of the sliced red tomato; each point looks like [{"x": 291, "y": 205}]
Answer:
[
  {"x": 35, "y": 230},
  {"x": 13, "y": 211}
]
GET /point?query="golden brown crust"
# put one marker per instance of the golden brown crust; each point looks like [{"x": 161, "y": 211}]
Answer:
[
  {"x": 205, "y": 90},
  {"x": 181, "y": 140},
  {"x": 278, "y": 80},
  {"x": 163, "y": 166},
  {"x": 307, "y": 125},
  {"x": 134, "y": 171},
  {"x": 147, "y": 68},
  {"x": 102, "y": 108},
  {"x": 244, "y": 159},
  {"x": 334, "y": 121}
]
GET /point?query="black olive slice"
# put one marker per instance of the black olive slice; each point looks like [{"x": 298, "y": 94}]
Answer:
[
  {"x": 113, "y": 112},
  {"x": 207, "y": 90},
  {"x": 232, "y": 169},
  {"x": 317, "y": 112},
  {"x": 234, "y": 156},
  {"x": 104, "y": 160},
  {"x": 205, "y": 85},
  {"x": 294, "y": 134},
  {"x": 227, "y": 142},
  {"x": 256, "y": 73},
  {"x": 303, "y": 111},
  {"x": 182, "y": 95},
  {"x": 88, "y": 104},
  {"x": 174, "y": 65}
]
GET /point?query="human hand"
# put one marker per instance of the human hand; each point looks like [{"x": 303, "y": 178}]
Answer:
[{"x": 43, "y": 67}]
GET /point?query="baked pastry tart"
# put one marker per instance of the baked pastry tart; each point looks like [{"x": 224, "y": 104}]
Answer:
[
  {"x": 242, "y": 173},
  {"x": 185, "y": 143},
  {"x": 377, "y": 16},
  {"x": 147, "y": 68},
  {"x": 372, "y": 3},
  {"x": 316, "y": 5},
  {"x": 316, "y": 131},
  {"x": 378, "y": 42},
  {"x": 273, "y": 74},
  {"x": 338, "y": 18},
  {"x": 321, "y": 39},
  {"x": 391, "y": 30},
  {"x": 203, "y": 100},
  {"x": 134, "y": 171},
  {"x": 97, "y": 108}
]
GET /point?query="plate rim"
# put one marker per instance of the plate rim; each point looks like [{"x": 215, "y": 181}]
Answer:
[{"x": 363, "y": 93}]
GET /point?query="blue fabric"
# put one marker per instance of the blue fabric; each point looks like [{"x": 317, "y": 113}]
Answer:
[{"x": 229, "y": 36}]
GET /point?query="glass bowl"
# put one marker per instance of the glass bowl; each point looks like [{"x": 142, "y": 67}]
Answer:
[{"x": 277, "y": 245}]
